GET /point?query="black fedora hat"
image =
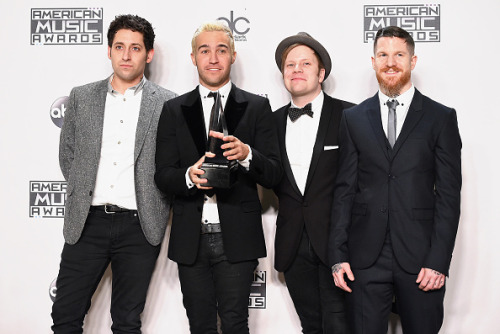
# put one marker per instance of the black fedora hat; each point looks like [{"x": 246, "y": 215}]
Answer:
[{"x": 306, "y": 39}]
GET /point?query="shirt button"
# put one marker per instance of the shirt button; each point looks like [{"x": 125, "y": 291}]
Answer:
[
  {"x": 114, "y": 163},
  {"x": 111, "y": 186},
  {"x": 119, "y": 142},
  {"x": 121, "y": 121},
  {"x": 124, "y": 99}
]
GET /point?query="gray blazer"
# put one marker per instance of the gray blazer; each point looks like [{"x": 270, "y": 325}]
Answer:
[{"x": 80, "y": 150}]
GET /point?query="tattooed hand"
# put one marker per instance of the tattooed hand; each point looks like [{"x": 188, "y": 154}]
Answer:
[
  {"x": 429, "y": 279},
  {"x": 338, "y": 271}
]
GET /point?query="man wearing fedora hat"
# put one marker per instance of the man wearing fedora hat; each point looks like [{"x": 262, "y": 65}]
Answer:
[{"x": 307, "y": 134}]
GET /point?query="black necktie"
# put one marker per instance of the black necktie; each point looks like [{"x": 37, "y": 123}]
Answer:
[
  {"x": 392, "y": 121},
  {"x": 295, "y": 113}
]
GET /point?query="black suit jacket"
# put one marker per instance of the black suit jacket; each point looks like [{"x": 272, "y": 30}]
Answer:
[
  {"x": 181, "y": 141},
  {"x": 413, "y": 189},
  {"x": 311, "y": 210}
]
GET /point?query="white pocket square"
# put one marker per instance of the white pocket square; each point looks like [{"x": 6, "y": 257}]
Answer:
[{"x": 334, "y": 147}]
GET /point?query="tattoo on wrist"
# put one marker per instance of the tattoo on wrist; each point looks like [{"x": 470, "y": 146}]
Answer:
[{"x": 336, "y": 268}]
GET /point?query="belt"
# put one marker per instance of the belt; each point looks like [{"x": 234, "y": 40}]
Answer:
[
  {"x": 210, "y": 228},
  {"x": 110, "y": 208}
]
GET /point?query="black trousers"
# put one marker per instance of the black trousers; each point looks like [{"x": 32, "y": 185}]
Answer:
[
  {"x": 320, "y": 305},
  {"x": 213, "y": 285},
  {"x": 115, "y": 238},
  {"x": 373, "y": 292}
]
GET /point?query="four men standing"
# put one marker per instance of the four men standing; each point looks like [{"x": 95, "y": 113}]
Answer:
[{"x": 396, "y": 196}]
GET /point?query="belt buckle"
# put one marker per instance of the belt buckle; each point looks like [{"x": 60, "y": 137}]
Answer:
[{"x": 106, "y": 210}]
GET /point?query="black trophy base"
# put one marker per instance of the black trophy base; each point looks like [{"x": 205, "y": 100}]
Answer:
[{"x": 219, "y": 174}]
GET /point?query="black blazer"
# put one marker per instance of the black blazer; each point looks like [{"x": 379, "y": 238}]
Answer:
[
  {"x": 313, "y": 209},
  {"x": 413, "y": 189},
  {"x": 181, "y": 142}
]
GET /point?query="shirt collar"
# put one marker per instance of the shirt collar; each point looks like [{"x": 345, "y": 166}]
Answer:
[
  {"x": 403, "y": 99},
  {"x": 316, "y": 103},
  {"x": 224, "y": 90},
  {"x": 137, "y": 88}
]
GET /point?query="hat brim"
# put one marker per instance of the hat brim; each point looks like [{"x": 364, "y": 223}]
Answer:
[{"x": 308, "y": 41}]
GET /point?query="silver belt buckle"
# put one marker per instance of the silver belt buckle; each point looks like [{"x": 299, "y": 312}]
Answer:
[{"x": 106, "y": 210}]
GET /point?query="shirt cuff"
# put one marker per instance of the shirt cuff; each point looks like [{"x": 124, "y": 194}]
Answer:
[
  {"x": 189, "y": 183},
  {"x": 246, "y": 163}
]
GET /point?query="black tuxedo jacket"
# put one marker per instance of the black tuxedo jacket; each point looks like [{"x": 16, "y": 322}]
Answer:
[
  {"x": 412, "y": 189},
  {"x": 311, "y": 210},
  {"x": 181, "y": 141}
]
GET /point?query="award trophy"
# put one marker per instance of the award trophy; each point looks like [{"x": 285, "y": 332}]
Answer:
[{"x": 219, "y": 172}]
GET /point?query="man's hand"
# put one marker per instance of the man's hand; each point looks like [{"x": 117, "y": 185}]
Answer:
[
  {"x": 233, "y": 148},
  {"x": 430, "y": 279},
  {"x": 195, "y": 172},
  {"x": 338, "y": 272}
]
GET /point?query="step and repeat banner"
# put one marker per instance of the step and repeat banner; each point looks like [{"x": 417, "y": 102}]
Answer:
[{"x": 50, "y": 46}]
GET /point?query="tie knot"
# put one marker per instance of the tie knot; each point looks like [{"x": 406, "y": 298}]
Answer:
[
  {"x": 295, "y": 113},
  {"x": 213, "y": 94},
  {"x": 392, "y": 104}
]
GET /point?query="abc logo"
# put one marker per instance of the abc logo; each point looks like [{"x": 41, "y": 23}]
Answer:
[
  {"x": 53, "y": 290},
  {"x": 58, "y": 109}
]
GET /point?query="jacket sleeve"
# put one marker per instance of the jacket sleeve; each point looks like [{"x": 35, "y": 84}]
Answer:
[
  {"x": 265, "y": 167},
  {"x": 170, "y": 175},
  {"x": 345, "y": 190},
  {"x": 67, "y": 138},
  {"x": 448, "y": 183}
]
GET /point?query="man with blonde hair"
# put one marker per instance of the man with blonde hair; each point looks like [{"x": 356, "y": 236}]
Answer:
[{"x": 217, "y": 236}]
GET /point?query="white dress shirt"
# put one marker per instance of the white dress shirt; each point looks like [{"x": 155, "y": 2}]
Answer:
[
  {"x": 115, "y": 183},
  {"x": 210, "y": 214},
  {"x": 300, "y": 138},
  {"x": 404, "y": 101}
]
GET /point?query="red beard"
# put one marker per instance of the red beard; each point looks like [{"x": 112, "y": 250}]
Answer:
[{"x": 392, "y": 87}]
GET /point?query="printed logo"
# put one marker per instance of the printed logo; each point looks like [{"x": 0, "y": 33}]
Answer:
[
  {"x": 47, "y": 199},
  {"x": 53, "y": 290},
  {"x": 239, "y": 26},
  {"x": 257, "y": 297},
  {"x": 423, "y": 22},
  {"x": 58, "y": 109},
  {"x": 66, "y": 26}
]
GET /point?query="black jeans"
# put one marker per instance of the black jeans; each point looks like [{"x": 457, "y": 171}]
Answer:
[
  {"x": 214, "y": 285},
  {"x": 115, "y": 238},
  {"x": 320, "y": 305}
]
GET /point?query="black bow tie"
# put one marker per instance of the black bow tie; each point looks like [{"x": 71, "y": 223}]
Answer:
[{"x": 295, "y": 113}]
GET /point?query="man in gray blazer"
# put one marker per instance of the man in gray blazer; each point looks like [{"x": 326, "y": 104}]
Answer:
[{"x": 114, "y": 212}]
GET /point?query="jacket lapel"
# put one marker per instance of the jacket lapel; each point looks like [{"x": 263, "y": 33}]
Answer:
[
  {"x": 284, "y": 155},
  {"x": 373, "y": 115},
  {"x": 236, "y": 106},
  {"x": 148, "y": 107},
  {"x": 327, "y": 112},
  {"x": 412, "y": 118},
  {"x": 192, "y": 110},
  {"x": 97, "y": 117}
]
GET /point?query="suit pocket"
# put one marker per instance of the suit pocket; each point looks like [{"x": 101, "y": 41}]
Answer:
[
  {"x": 358, "y": 209},
  {"x": 423, "y": 214},
  {"x": 251, "y": 206}
]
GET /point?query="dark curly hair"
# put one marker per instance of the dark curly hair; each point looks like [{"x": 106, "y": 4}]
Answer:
[{"x": 134, "y": 23}]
